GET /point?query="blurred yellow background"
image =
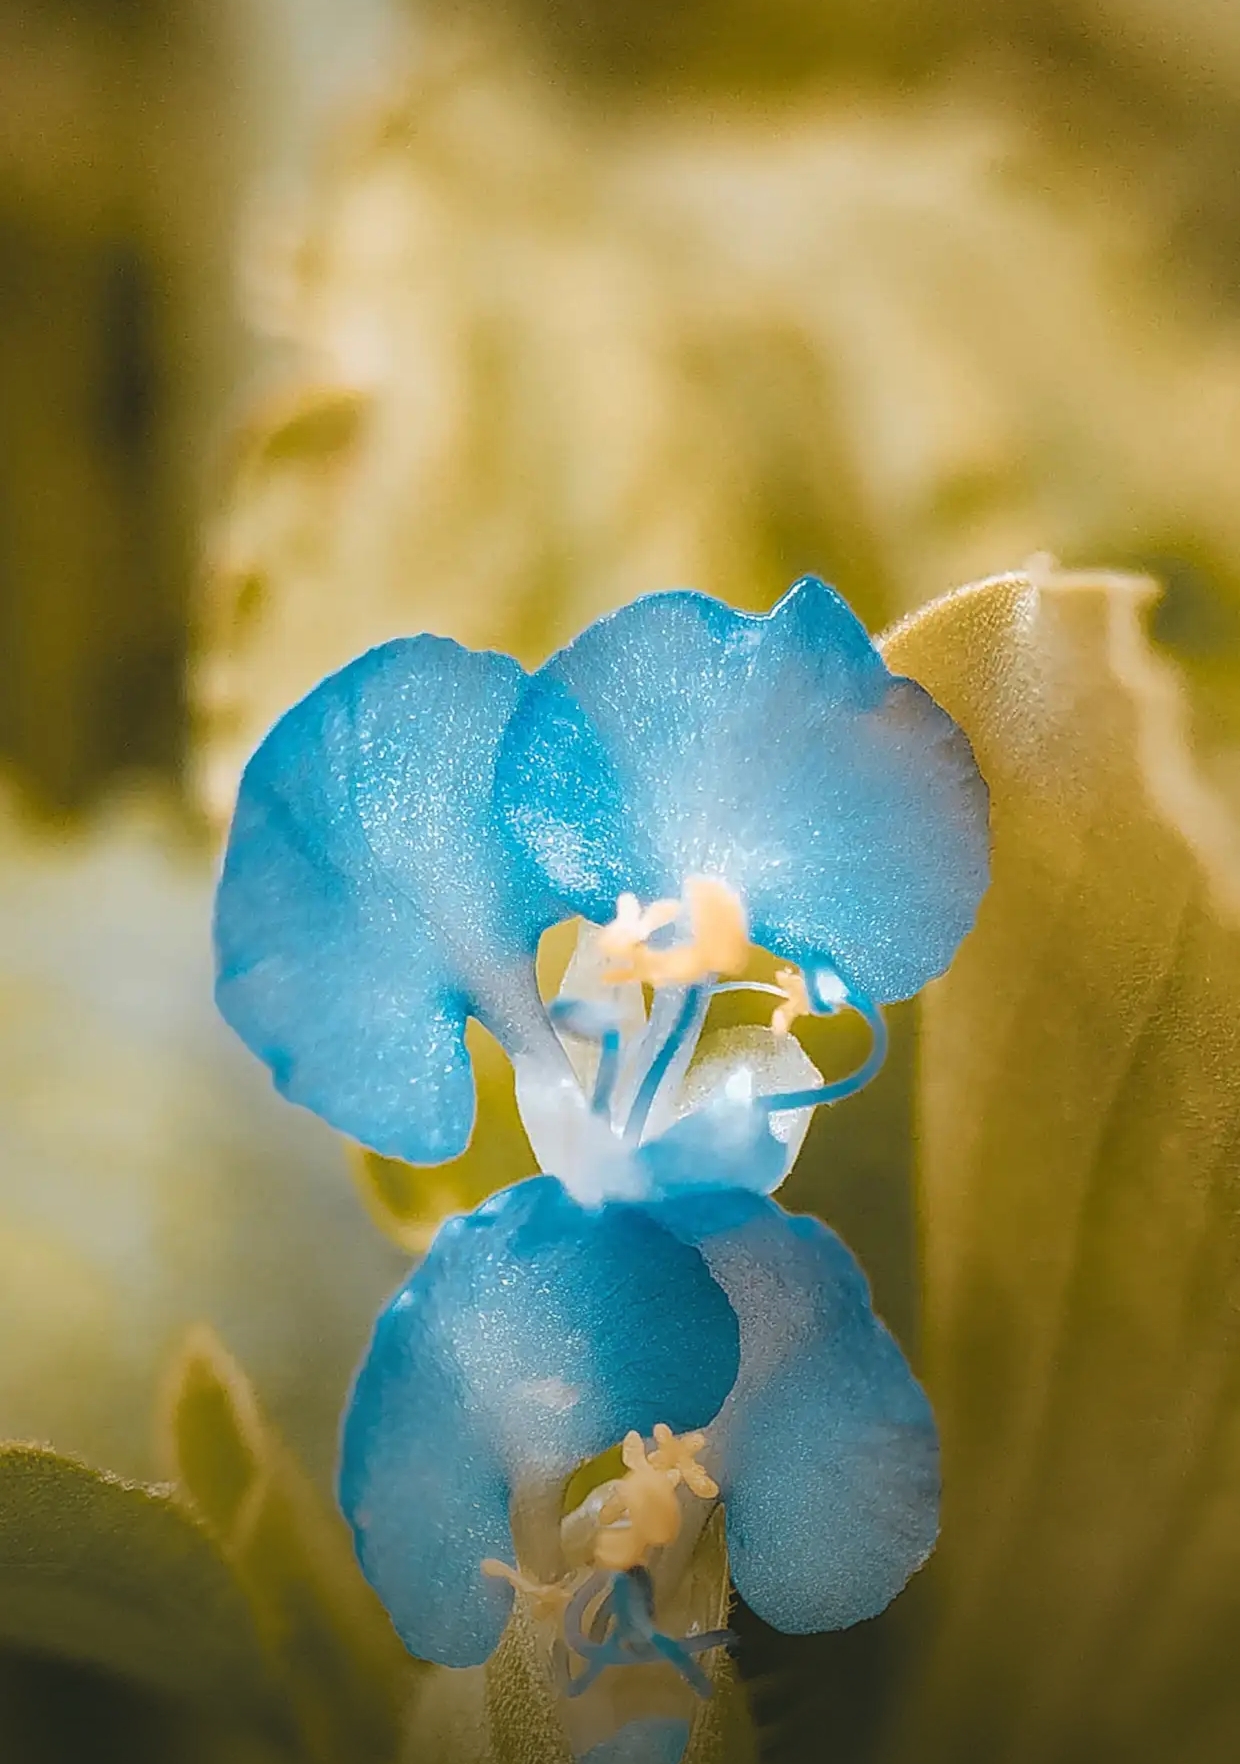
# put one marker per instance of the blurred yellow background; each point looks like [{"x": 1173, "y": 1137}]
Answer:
[{"x": 323, "y": 320}]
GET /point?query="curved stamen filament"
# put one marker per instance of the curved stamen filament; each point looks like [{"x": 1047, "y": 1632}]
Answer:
[
  {"x": 548, "y": 1600},
  {"x": 833, "y": 994},
  {"x": 842, "y": 1087}
]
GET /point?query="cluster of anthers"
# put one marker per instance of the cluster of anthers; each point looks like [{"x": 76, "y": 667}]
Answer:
[
  {"x": 718, "y": 943},
  {"x": 605, "y": 1606}
]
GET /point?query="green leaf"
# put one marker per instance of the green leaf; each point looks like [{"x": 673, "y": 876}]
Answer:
[
  {"x": 1080, "y": 1153},
  {"x": 344, "y": 1672},
  {"x": 53, "y": 1711},
  {"x": 123, "y": 1578},
  {"x": 522, "y": 1723}
]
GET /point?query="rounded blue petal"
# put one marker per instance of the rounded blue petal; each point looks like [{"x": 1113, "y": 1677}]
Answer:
[
  {"x": 827, "y": 1445},
  {"x": 369, "y": 903},
  {"x": 534, "y": 1335},
  {"x": 679, "y": 737}
]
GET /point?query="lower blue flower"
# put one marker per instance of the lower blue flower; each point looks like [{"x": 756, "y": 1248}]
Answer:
[
  {"x": 533, "y": 1335},
  {"x": 538, "y": 1333},
  {"x": 657, "y": 1739}
]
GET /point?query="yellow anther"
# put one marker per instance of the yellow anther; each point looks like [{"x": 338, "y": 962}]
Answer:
[
  {"x": 642, "y": 1513},
  {"x": 548, "y": 1600},
  {"x": 791, "y": 982},
  {"x": 633, "y": 1452},
  {"x": 718, "y": 941},
  {"x": 678, "y": 1459},
  {"x": 624, "y": 939}
]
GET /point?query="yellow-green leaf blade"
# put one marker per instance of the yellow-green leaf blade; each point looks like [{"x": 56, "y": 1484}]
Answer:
[
  {"x": 332, "y": 1648},
  {"x": 1080, "y": 1136},
  {"x": 122, "y": 1577}
]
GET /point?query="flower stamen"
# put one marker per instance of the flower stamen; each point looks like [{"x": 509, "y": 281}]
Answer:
[
  {"x": 718, "y": 941},
  {"x": 791, "y": 983},
  {"x": 624, "y": 940},
  {"x": 678, "y": 1458},
  {"x": 548, "y": 1599},
  {"x": 642, "y": 1512}
]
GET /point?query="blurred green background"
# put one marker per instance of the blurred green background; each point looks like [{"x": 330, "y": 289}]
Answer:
[
  {"x": 900, "y": 293},
  {"x": 322, "y": 320}
]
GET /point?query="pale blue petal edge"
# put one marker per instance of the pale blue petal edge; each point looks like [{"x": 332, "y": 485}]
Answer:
[
  {"x": 369, "y": 903},
  {"x": 534, "y": 1335},
  {"x": 678, "y": 737},
  {"x": 827, "y": 1447}
]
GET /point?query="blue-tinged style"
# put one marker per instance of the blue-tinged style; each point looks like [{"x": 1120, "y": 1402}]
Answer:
[{"x": 687, "y": 779}]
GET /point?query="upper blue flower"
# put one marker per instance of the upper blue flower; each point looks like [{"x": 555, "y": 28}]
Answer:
[
  {"x": 677, "y": 737},
  {"x": 405, "y": 834}
]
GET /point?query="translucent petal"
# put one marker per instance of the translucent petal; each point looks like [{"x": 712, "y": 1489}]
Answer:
[
  {"x": 369, "y": 903},
  {"x": 533, "y": 1336},
  {"x": 678, "y": 736},
  {"x": 726, "y": 1144},
  {"x": 652, "y": 1739},
  {"x": 827, "y": 1450},
  {"x": 749, "y": 1060}
]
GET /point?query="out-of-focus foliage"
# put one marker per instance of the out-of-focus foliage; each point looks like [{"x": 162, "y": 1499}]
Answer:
[
  {"x": 232, "y": 1593},
  {"x": 1080, "y": 1168},
  {"x": 335, "y": 1657},
  {"x": 150, "y": 1175},
  {"x": 119, "y": 1575},
  {"x": 129, "y": 137},
  {"x": 113, "y": 324},
  {"x": 554, "y": 354}
]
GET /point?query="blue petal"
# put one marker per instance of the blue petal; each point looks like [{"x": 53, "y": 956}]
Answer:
[
  {"x": 679, "y": 737},
  {"x": 652, "y": 1739},
  {"x": 723, "y": 1144},
  {"x": 369, "y": 903},
  {"x": 533, "y": 1336},
  {"x": 827, "y": 1446}
]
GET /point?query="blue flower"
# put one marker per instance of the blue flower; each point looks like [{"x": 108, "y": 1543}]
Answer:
[
  {"x": 405, "y": 834},
  {"x": 536, "y": 1333},
  {"x": 685, "y": 779}
]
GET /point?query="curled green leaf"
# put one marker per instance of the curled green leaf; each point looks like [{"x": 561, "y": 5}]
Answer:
[
  {"x": 122, "y": 1577},
  {"x": 332, "y": 1648},
  {"x": 1080, "y": 1151}
]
